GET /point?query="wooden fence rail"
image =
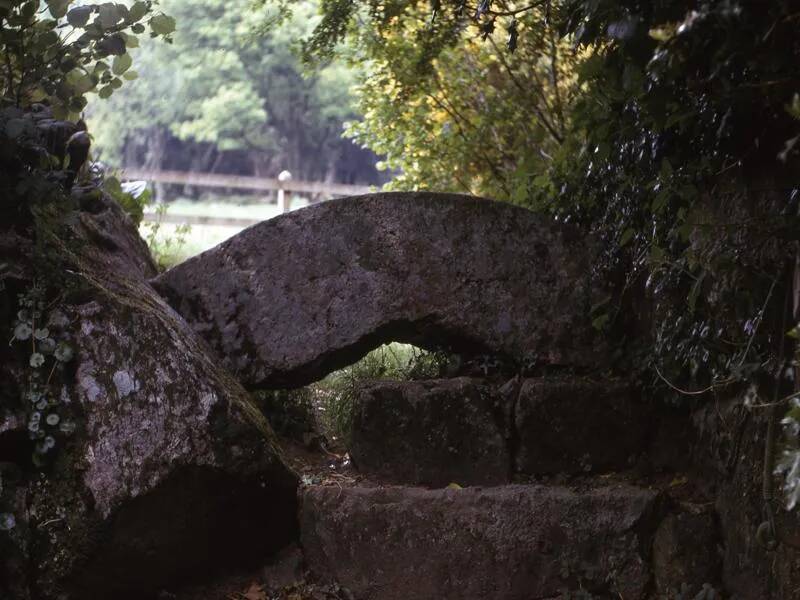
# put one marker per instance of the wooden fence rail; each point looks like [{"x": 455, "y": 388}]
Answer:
[
  {"x": 243, "y": 182},
  {"x": 154, "y": 217}
]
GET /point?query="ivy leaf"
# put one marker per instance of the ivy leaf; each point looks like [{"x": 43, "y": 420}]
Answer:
[
  {"x": 63, "y": 352},
  {"x": 41, "y": 334},
  {"x": 7, "y": 522},
  {"x": 121, "y": 64},
  {"x": 162, "y": 24},
  {"x": 37, "y": 360},
  {"x": 79, "y": 16},
  {"x": 22, "y": 332}
]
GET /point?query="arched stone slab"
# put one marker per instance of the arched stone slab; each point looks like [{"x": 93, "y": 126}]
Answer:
[{"x": 290, "y": 299}]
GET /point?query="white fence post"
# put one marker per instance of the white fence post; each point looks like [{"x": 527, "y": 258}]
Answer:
[{"x": 284, "y": 201}]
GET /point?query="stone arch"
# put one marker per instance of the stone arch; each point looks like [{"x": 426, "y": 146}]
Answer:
[{"x": 290, "y": 299}]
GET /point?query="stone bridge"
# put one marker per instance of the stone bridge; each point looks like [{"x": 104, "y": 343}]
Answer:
[{"x": 290, "y": 299}]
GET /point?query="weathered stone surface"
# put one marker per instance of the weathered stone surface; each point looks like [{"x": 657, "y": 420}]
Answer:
[
  {"x": 171, "y": 471},
  {"x": 686, "y": 552},
  {"x": 504, "y": 543},
  {"x": 293, "y": 298},
  {"x": 432, "y": 432},
  {"x": 573, "y": 425}
]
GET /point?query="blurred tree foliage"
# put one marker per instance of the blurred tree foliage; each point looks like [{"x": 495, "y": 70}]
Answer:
[
  {"x": 229, "y": 96},
  {"x": 442, "y": 95},
  {"x": 471, "y": 117}
]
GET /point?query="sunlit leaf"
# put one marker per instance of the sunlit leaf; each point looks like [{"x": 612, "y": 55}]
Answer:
[
  {"x": 162, "y": 24},
  {"x": 121, "y": 64}
]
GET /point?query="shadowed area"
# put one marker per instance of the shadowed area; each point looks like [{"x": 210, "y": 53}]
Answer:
[{"x": 196, "y": 524}]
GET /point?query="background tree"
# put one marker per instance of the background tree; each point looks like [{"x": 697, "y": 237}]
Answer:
[
  {"x": 453, "y": 101},
  {"x": 228, "y": 97}
]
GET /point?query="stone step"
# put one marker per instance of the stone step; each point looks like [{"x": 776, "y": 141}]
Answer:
[
  {"x": 513, "y": 542},
  {"x": 466, "y": 431}
]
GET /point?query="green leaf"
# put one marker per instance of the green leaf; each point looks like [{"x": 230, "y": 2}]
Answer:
[
  {"x": 79, "y": 16},
  {"x": 600, "y": 322},
  {"x": 660, "y": 201},
  {"x": 162, "y": 24},
  {"x": 105, "y": 91},
  {"x": 112, "y": 185},
  {"x": 113, "y": 44},
  {"x": 130, "y": 75},
  {"x": 121, "y": 64},
  {"x": 110, "y": 15},
  {"x": 22, "y": 332},
  {"x": 137, "y": 11},
  {"x": 694, "y": 293},
  {"x": 627, "y": 236},
  {"x": 80, "y": 81},
  {"x": 29, "y": 9},
  {"x": 58, "y": 8},
  {"x": 47, "y": 39},
  {"x": 131, "y": 41}
]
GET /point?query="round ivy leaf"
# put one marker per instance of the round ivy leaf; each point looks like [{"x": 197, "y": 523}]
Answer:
[
  {"x": 47, "y": 346},
  {"x": 63, "y": 352},
  {"x": 41, "y": 334},
  {"x": 52, "y": 419},
  {"x": 37, "y": 360},
  {"x": 22, "y": 331},
  {"x": 7, "y": 522}
]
